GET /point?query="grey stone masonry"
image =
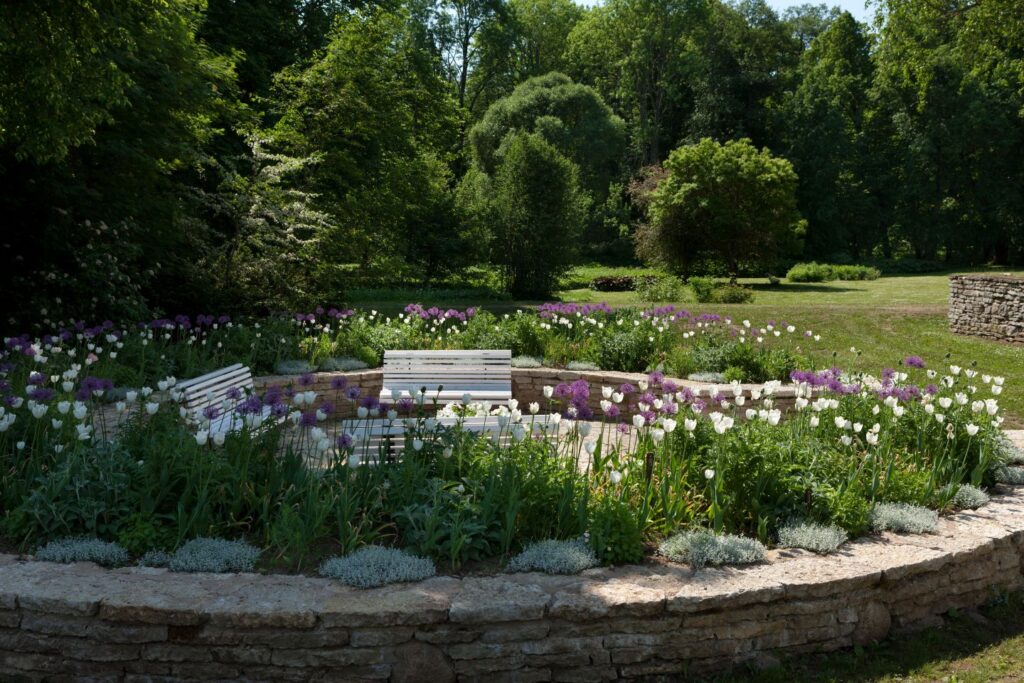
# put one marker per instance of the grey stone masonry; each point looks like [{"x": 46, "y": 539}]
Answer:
[
  {"x": 659, "y": 620},
  {"x": 989, "y": 306}
]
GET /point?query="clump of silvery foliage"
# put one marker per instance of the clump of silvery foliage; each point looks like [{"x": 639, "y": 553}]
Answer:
[
  {"x": 343, "y": 364},
  {"x": 376, "y": 565},
  {"x": 581, "y": 366},
  {"x": 1009, "y": 475},
  {"x": 293, "y": 367},
  {"x": 155, "y": 558},
  {"x": 1007, "y": 452},
  {"x": 818, "y": 538},
  {"x": 526, "y": 362},
  {"x": 969, "y": 497},
  {"x": 215, "y": 555},
  {"x": 702, "y": 548},
  {"x": 706, "y": 377},
  {"x": 903, "y": 518},
  {"x": 555, "y": 557},
  {"x": 83, "y": 549}
]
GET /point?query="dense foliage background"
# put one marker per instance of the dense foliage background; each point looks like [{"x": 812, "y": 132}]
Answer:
[{"x": 258, "y": 155}]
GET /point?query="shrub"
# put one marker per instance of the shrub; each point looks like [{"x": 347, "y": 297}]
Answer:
[
  {"x": 825, "y": 272},
  {"x": 83, "y": 549},
  {"x": 376, "y": 565},
  {"x": 702, "y": 548},
  {"x": 582, "y": 366},
  {"x": 293, "y": 367},
  {"x": 613, "y": 283},
  {"x": 703, "y": 288},
  {"x": 526, "y": 362},
  {"x": 1009, "y": 475},
  {"x": 629, "y": 350},
  {"x": 1006, "y": 452},
  {"x": 555, "y": 557},
  {"x": 87, "y": 491},
  {"x": 216, "y": 555},
  {"x": 706, "y": 377},
  {"x": 732, "y": 294},
  {"x": 615, "y": 534},
  {"x": 342, "y": 364},
  {"x": 155, "y": 558},
  {"x": 734, "y": 374},
  {"x": 664, "y": 288},
  {"x": 969, "y": 497},
  {"x": 818, "y": 538},
  {"x": 903, "y": 518}
]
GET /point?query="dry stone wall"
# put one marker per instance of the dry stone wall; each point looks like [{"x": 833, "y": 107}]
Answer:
[
  {"x": 82, "y": 622},
  {"x": 990, "y": 306}
]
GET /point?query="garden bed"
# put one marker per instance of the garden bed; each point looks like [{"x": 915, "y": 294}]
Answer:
[{"x": 616, "y": 623}]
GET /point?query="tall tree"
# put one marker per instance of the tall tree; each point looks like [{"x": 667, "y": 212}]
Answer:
[{"x": 823, "y": 125}]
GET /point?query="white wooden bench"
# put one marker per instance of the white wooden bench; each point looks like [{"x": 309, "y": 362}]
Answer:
[
  {"x": 217, "y": 389},
  {"x": 447, "y": 376}
]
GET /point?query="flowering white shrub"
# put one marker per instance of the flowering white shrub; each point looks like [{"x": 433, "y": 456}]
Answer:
[
  {"x": 555, "y": 557},
  {"x": 376, "y": 565},
  {"x": 702, "y": 548},
  {"x": 215, "y": 555},
  {"x": 903, "y": 518},
  {"x": 83, "y": 549},
  {"x": 526, "y": 362},
  {"x": 818, "y": 538}
]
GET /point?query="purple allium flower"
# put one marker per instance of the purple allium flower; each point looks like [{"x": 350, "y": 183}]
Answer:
[
  {"x": 41, "y": 394},
  {"x": 612, "y": 410},
  {"x": 622, "y": 428},
  {"x": 308, "y": 418},
  {"x": 404, "y": 405},
  {"x": 352, "y": 393},
  {"x": 306, "y": 380},
  {"x": 234, "y": 393},
  {"x": 345, "y": 441},
  {"x": 338, "y": 383},
  {"x": 627, "y": 388},
  {"x": 914, "y": 361},
  {"x": 211, "y": 412}
]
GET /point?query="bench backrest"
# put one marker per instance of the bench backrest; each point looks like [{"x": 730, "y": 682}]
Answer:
[
  {"x": 485, "y": 374},
  {"x": 213, "y": 387}
]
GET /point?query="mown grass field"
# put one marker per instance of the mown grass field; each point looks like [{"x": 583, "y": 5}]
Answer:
[{"x": 885, "y": 320}]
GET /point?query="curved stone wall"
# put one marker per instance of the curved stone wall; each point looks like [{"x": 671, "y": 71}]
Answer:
[
  {"x": 527, "y": 385},
  {"x": 990, "y": 306},
  {"x": 79, "y": 621}
]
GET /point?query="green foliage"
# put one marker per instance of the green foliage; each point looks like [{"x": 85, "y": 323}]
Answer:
[
  {"x": 1009, "y": 475},
  {"x": 818, "y": 538},
  {"x": 903, "y": 518},
  {"x": 534, "y": 207},
  {"x": 571, "y": 117},
  {"x": 615, "y": 534},
  {"x": 215, "y": 555},
  {"x": 88, "y": 490},
  {"x": 729, "y": 201},
  {"x": 293, "y": 367},
  {"x": 703, "y": 288},
  {"x": 83, "y": 549},
  {"x": 554, "y": 557},
  {"x": 375, "y": 565},
  {"x": 702, "y": 548},
  {"x": 526, "y": 362},
  {"x": 824, "y": 272},
  {"x": 658, "y": 289},
  {"x": 732, "y": 294}
]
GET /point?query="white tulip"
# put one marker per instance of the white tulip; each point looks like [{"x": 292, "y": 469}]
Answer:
[
  {"x": 202, "y": 437},
  {"x": 534, "y": 408},
  {"x": 549, "y": 391},
  {"x": 709, "y": 474},
  {"x": 972, "y": 429},
  {"x": 218, "y": 438},
  {"x": 151, "y": 408}
]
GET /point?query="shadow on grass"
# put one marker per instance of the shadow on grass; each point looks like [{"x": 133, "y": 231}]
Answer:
[
  {"x": 801, "y": 287},
  {"x": 983, "y": 645}
]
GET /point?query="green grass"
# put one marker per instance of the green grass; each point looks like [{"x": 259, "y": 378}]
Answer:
[
  {"x": 885, "y": 320},
  {"x": 987, "y": 645}
]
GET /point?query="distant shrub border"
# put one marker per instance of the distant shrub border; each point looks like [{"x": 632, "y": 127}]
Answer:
[{"x": 826, "y": 272}]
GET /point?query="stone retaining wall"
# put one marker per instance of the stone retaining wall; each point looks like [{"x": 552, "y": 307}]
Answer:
[
  {"x": 990, "y": 306},
  {"x": 527, "y": 385},
  {"x": 81, "y": 622}
]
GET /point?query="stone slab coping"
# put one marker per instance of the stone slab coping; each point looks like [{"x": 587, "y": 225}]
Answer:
[
  {"x": 147, "y": 595},
  {"x": 1001, "y": 277}
]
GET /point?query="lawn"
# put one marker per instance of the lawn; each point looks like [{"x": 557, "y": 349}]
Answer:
[
  {"x": 884, "y": 320},
  {"x": 986, "y": 645}
]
